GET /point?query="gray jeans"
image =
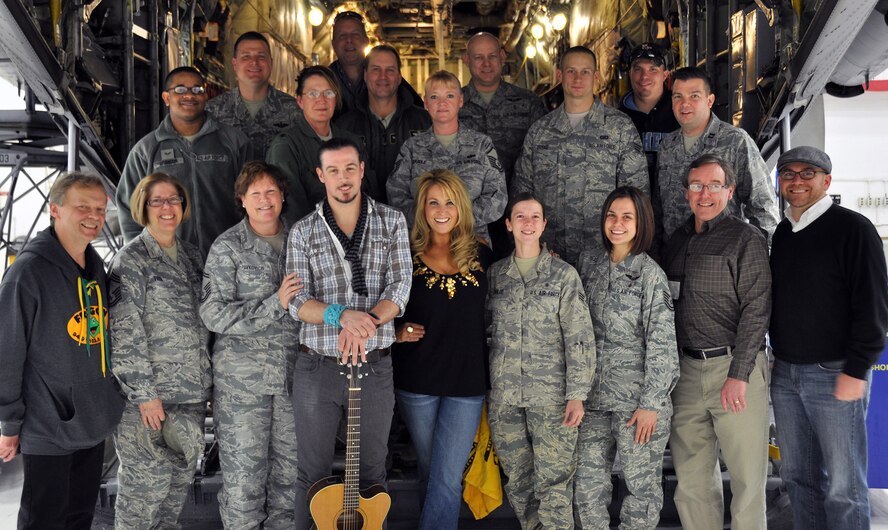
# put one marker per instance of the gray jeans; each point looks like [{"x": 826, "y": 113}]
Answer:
[{"x": 320, "y": 400}]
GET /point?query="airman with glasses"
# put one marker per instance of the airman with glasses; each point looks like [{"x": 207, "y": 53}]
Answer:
[{"x": 202, "y": 153}]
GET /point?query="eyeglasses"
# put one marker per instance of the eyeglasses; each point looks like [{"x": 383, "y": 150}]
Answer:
[
  {"x": 182, "y": 89},
  {"x": 806, "y": 174},
  {"x": 348, "y": 15},
  {"x": 157, "y": 202},
  {"x": 315, "y": 94},
  {"x": 715, "y": 187}
]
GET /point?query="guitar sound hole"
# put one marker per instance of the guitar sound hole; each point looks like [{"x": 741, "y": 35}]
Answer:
[{"x": 350, "y": 521}]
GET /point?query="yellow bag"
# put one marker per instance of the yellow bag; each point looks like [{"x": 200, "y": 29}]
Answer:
[{"x": 482, "y": 487}]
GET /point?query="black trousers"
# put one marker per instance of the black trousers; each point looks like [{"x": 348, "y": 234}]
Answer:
[{"x": 60, "y": 491}]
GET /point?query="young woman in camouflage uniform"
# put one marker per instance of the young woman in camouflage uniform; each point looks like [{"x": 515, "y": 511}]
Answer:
[
  {"x": 629, "y": 407},
  {"x": 245, "y": 303},
  {"x": 542, "y": 353},
  {"x": 160, "y": 357}
]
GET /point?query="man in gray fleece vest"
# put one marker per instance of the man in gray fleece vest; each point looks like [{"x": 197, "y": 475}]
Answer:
[{"x": 57, "y": 397}]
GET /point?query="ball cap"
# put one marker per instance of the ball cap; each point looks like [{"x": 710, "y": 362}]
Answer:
[
  {"x": 805, "y": 155},
  {"x": 650, "y": 52}
]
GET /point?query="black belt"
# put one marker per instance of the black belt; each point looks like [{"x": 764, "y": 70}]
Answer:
[
  {"x": 708, "y": 353},
  {"x": 372, "y": 355}
]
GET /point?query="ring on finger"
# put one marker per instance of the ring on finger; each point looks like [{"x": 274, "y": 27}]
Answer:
[{"x": 409, "y": 329}]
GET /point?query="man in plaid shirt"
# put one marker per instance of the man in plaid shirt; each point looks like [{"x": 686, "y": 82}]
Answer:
[
  {"x": 354, "y": 256},
  {"x": 718, "y": 271}
]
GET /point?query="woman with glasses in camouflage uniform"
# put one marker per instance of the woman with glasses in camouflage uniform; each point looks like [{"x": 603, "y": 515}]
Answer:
[{"x": 160, "y": 356}]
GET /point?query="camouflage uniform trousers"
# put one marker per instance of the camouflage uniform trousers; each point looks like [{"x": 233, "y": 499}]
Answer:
[
  {"x": 602, "y": 435},
  {"x": 538, "y": 454},
  {"x": 257, "y": 454},
  {"x": 156, "y": 467}
]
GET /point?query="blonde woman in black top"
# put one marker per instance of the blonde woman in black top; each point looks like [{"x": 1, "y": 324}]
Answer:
[{"x": 440, "y": 366}]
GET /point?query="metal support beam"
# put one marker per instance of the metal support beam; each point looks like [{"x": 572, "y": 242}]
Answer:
[
  {"x": 154, "y": 34},
  {"x": 73, "y": 144},
  {"x": 129, "y": 97},
  {"x": 785, "y": 135}
]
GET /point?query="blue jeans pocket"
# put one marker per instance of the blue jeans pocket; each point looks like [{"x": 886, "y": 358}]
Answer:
[{"x": 832, "y": 366}]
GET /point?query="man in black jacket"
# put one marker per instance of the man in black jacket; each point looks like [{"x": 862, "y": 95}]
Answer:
[
  {"x": 349, "y": 40},
  {"x": 384, "y": 117},
  {"x": 57, "y": 398},
  {"x": 649, "y": 104}
]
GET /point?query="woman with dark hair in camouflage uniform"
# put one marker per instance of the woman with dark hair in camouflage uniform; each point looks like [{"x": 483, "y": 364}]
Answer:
[
  {"x": 629, "y": 408},
  {"x": 246, "y": 297}
]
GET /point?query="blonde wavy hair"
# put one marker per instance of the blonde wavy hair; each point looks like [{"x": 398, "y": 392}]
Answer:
[{"x": 463, "y": 243}]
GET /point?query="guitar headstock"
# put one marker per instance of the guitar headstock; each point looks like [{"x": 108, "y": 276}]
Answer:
[{"x": 354, "y": 373}]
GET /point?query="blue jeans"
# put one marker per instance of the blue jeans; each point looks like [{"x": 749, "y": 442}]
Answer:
[
  {"x": 822, "y": 445},
  {"x": 443, "y": 429}
]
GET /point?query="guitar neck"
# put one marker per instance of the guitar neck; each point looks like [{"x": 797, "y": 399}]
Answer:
[{"x": 353, "y": 442}]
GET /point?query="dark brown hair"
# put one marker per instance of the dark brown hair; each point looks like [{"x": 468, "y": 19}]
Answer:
[
  {"x": 709, "y": 158},
  {"x": 644, "y": 218},
  {"x": 253, "y": 171}
]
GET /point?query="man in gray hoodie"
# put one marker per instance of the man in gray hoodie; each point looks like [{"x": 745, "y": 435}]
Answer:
[{"x": 57, "y": 397}]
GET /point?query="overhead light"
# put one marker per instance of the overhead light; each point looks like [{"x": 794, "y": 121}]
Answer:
[
  {"x": 530, "y": 52},
  {"x": 315, "y": 16},
  {"x": 559, "y": 21},
  {"x": 367, "y": 50},
  {"x": 537, "y": 31}
]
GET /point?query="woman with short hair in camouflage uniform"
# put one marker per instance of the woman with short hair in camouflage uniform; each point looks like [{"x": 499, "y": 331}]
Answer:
[
  {"x": 439, "y": 370},
  {"x": 160, "y": 356},
  {"x": 246, "y": 300},
  {"x": 629, "y": 408},
  {"x": 542, "y": 353}
]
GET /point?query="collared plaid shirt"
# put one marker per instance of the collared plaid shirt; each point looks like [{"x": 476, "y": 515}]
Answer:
[
  {"x": 385, "y": 255},
  {"x": 725, "y": 288}
]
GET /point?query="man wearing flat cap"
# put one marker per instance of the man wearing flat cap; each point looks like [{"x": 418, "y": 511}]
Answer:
[{"x": 828, "y": 325}]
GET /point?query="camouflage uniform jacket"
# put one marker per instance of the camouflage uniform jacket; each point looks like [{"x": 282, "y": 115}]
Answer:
[
  {"x": 634, "y": 321},
  {"x": 161, "y": 348},
  {"x": 295, "y": 152},
  {"x": 383, "y": 143},
  {"x": 506, "y": 119},
  {"x": 542, "y": 347},
  {"x": 471, "y": 156},
  {"x": 207, "y": 166},
  {"x": 277, "y": 113},
  {"x": 755, "y": 189},
  {"x": 256, "y": 340},
  {"x": 572, "y": 171}
]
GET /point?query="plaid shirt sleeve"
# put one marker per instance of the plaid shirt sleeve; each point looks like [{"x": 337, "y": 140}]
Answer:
[
  {"x": 399, "y": 269},
  {"x": 297, "y": 261},
  {"x": 753, "y": 287}
]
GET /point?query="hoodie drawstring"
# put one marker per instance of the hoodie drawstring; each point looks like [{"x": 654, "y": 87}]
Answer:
[{"x": 84, "y": 290}]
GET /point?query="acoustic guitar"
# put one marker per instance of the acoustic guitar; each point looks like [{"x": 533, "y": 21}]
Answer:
[{"x": 339, "y": 505}]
